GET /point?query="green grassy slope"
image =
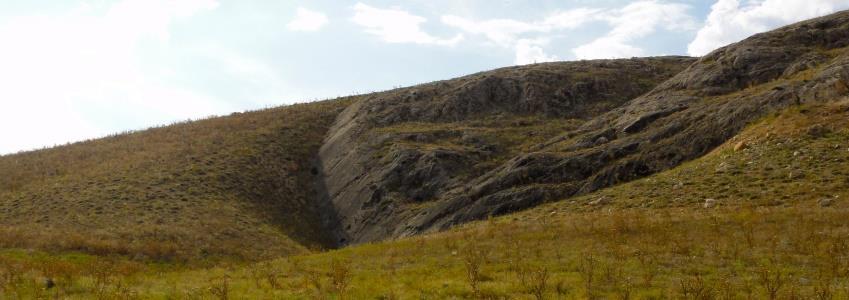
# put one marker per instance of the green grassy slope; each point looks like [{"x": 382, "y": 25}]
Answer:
[
  {"x": 772, "y": 235},
  {"x": 241, "y": 185}
]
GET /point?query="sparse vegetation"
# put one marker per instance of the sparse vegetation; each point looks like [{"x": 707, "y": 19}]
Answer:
[
  {"x": 228, "y": 187},
  {"x": 568, "y": 249},
  {"x": 233, "y": 207}
]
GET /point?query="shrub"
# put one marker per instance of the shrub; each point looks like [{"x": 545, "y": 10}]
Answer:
[
  {"x": 340, "y": 277},
  {"x": 220, "y": 288},
  {"x": 538, "y": 282},
  {"x": 771, "y": 279},
  {"x": 695, "y": 287},
  {"x": 473, "y": 259},
  {"x": 102, "y": 273},
  {"x": 562, "y": 289},
  {"x": 587, "y": 268}
]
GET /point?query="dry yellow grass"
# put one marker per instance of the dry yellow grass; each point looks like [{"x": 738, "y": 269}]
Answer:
[
  {"x": 236, "y": 186},
  {"x": 642, "y": 243}
]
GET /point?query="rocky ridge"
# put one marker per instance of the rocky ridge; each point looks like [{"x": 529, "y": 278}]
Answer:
[{"x": 429, "y": 157}]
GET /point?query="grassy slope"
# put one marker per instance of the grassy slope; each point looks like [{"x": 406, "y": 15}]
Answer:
[
  {"x": 651, "y": 238},
  {"x": 232, "y": 186}
]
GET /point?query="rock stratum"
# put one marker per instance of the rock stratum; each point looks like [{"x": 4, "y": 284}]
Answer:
[{"x": 433, "y": 156}]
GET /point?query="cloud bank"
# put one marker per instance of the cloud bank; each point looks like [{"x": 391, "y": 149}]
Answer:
[
  {"x": 632, "y": 22},
  {"x": 628, "y": 24},
  {"x": 397, "y": 26},
  {"x": 730, "y": 20}
]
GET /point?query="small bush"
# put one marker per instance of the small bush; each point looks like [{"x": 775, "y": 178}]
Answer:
[
  {"x": 587, "y": 268},
  {"x": 539, "y": 282},
  {"x": 695, "y": 287},
  {"x": 473, "y": 258},
  {"x": 771, "y": 279},
  {"x": 340, "y": 277},
  {"x": 220, "y": 288}
]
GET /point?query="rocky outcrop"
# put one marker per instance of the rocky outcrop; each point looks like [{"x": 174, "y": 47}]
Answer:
[
  {"x": 388, "y": 177},
  {"x": 683, "y": 118},
  {"x": 380, "y": 178}
]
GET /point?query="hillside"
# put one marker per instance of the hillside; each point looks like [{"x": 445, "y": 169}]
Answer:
[
  {"x": 255, "y": 185},
  {"x": 724, "y": 176},
  {"x": 428, "y": 158},
  {"x": 777, "y": 225},
  {"x": 240, "y": 186},
  {"x": 769, "y": 234},
  {"x": 395, "y": 155}
]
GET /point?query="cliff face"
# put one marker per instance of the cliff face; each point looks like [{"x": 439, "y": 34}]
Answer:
[{"x": 428, "y": 157}]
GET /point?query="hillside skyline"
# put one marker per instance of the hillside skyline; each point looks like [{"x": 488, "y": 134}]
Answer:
[
  {"x": 722, "y": 176},
  {"x": 85, "y": 69}
]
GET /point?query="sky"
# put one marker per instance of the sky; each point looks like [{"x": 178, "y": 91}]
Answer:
[{"x": 72, "y": 70}]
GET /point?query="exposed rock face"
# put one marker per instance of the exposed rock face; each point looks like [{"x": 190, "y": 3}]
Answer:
[
  {"x": 380, "y": 175},
  {"x": 390, "y": 183}
]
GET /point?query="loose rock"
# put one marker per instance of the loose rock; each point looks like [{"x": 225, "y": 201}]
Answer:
[
  {"x": 742, "y": 145},
  {"x": 600, "y": 201}
]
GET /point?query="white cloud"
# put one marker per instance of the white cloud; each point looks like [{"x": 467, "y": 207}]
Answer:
[
  {"x": 634, "y": 21},
  {"x": 397, "y": 26},
  {"x": 55, "y": 66},
  {"x": 572, "y": 19},
  {"x": 530, "y": 51},
  {"x": 509, "y": 33},
  {"x": 730, "y": 21},
  {"x": 307, "y": 20},
  {"x": 503, "y": 32},
  {"x": 607, "y": 47}
]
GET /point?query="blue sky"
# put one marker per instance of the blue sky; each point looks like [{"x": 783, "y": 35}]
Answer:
[{"x": 73, "y": 70}]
